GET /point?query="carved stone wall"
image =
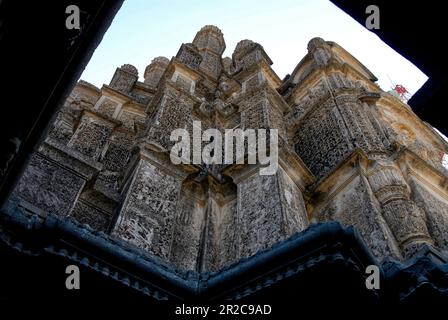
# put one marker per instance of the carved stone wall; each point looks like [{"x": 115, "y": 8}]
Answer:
[
  {"x": 347, "y": 152},
  {"x": 189, "y": 224},
  {"x": 149, "y": 210},
  {"x": 269, "y": 209},
  {"x": 436, "y": 208},
  {"x": 293, "y": 205},
  {"x": 155, "y": 70},
  {"x": 124, "y": 78},
  {"x": 91, "y": 136},
  {"x": 174, "y": 111},
  {"x": 322, "y": 141},
  {"x": 354, "y": 204},
  {"x": 49, "y": 186},
  {"x": 221, "y": 235}
]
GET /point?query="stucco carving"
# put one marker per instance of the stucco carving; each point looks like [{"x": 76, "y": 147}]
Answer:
[{"x": 347, "y": 152}]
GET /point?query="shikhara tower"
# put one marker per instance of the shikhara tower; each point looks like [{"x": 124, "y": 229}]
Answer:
[{"x": 348, "y": 152}]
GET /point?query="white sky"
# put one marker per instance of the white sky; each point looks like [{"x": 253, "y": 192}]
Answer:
[{"x": 145, "y": 29}]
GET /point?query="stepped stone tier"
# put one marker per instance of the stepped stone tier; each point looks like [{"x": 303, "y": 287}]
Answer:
[{"x": 348, "y": 152}]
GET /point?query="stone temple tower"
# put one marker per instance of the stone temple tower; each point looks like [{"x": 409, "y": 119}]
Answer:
[{"x": 347, "y": 151}]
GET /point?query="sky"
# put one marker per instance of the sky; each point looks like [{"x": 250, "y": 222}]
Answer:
[{"x": 143, "y": 30}]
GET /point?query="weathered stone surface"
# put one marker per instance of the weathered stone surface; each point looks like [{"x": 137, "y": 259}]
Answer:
[
  {"x": 91, "y": 136},
  {"x": 155, "y": 70},
  {"x": 189, "y": 224},
  {"x": 294, "y": 212},
  {"x": 260, "y": 213},
  {"x": 347, "y": 152},
  {"x": 124, "y": 78},
  {"x": 148, "y": 213},
  {"x": 356, "y": 206},
  {"x": 87, "y": 213},
  {"x": 436, "y": 207},
  {"x": 49, "y": 186}
]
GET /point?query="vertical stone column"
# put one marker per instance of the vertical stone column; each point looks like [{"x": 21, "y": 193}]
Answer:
[
  {"x": 147, "y": 217},
  {"x": 155, "y": 70},
  {"x": 206, "y": 234},
  {"x": 189, "y": 223},
  {"x": 173, "y": 111},
  {"x": 269, "y": 208},
  {"x": 357, "y": 117},
  {"x": 91, "y": 135},
  {"x": 210, "y": 42},
  {"x": 221, "y": 227},
  {"x": 124, "y": 78},
  {"x": 406, "y": 220}
]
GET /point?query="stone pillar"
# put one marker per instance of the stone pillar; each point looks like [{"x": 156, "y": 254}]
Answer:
[
  {"x": 210, "y": 43},
  {"x": 147, "y": 216},
  {"x": 174, "y": 109},
  {"x": 124, "y": 78},
  {"x": 54, "y": 179},
  {"x": 155, "y": 70},
  {"x": 206, "y": 236},
  {"x": 221, "y": 237},
  {"x": 91, "y": 135},
  {"x": 406, "y": 220},
  {"x": 269, "y": 208},
  {"x": 358, "y": 121},
  {"x": 189, "y": 224}
]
